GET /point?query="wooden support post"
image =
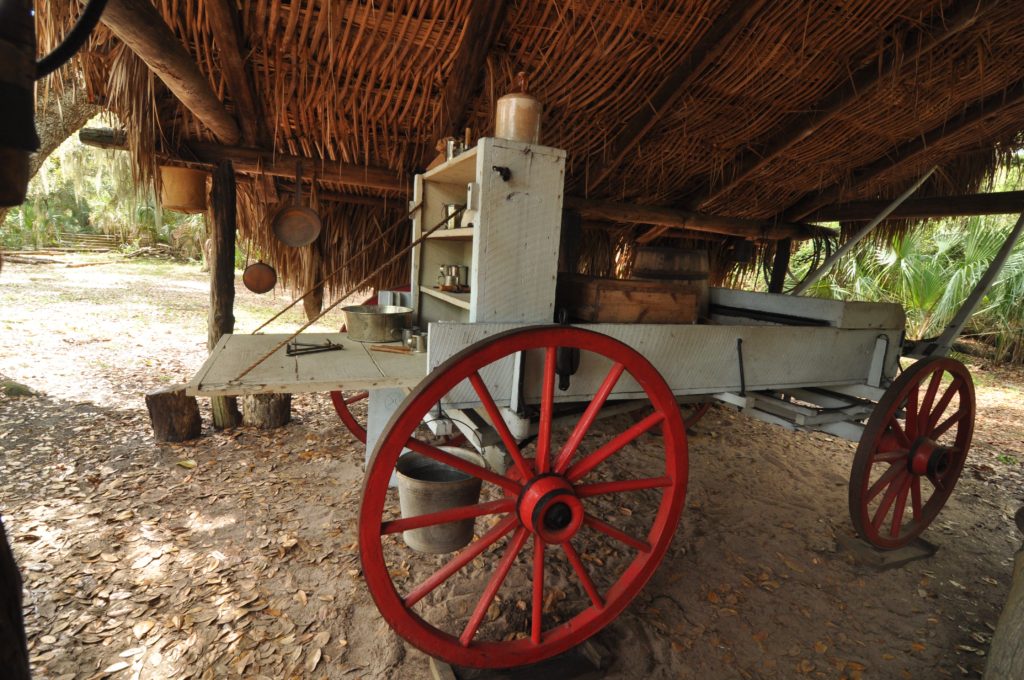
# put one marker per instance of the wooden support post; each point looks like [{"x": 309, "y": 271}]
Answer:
[
  {"x": 223, "y": 18},
  {"x": 222, "y": 279},
  {"x": 173, "y": 414},
  {"x": 13, "y": 651},
  {"x": 266, "y": 411},
  {"x": 780, "y": 265}
]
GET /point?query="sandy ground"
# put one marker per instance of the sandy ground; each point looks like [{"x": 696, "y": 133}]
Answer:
[{"x": 235, "y": 555}]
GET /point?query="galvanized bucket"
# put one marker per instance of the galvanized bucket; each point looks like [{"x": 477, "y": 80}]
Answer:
[{"x": 425, "y": 485}]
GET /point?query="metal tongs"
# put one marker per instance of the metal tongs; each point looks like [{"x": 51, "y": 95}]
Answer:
[{"x": 295, "y": 348}]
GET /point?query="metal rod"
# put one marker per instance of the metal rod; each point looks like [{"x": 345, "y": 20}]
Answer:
[
  {"x": 351, "y": 290},
  {"x": 949, "y": 335},
  {"x": 813, "y": 276}
]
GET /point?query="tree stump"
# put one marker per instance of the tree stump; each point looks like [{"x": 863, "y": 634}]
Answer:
[
  {"x": 174, "y": 415},
  {"x": 266, "y": 411},
  {"x": 1006, "y": 654}
]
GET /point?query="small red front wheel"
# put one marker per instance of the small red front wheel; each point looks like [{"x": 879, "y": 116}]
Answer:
[
  {"x": 581, "y": 531},
  {"x": 343, "y": 401},
  {"x": 912, "y": 452}
]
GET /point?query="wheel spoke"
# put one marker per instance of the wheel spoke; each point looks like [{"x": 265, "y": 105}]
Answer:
[
  {"x": 897, "y": 429},
  {"x": 940, "y": 408},
  {"x": 890, "y": 456},
  {"x": 588, "y": 463},
  {"x": 901, "y": 504},
  {"x": 493, "y": 586},
  {"x": 882, "y": 482},
  {"x": 588, "y": 417},
  {"x": 618, "y": 486},
  {"x": 911, "y": 409},
  {"x": 537, "y": 624},
  {"x": 430, "y": 451},
  {"x": 924, "y": 413},
  {"x": 547, "y": 399},
  {"x": 460, "y": 560},
  {"x": 450, "y": 515},
  {"x": 915, "y": 497},
  {"x": 358, "y": 396},
  {"x": 616, "y": 533},
  {"x": 581, "y": 573},
  {"x": 500, "y": 425},
  {"x": 948, "y": 423},
  {"x": 887, "y": 500}
]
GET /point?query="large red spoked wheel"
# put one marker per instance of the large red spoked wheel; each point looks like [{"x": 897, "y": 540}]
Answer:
[
  {"x": 342, "y": 401},
  {"x": 566, "y": 495},
  {"x": 912, "y": 452}
]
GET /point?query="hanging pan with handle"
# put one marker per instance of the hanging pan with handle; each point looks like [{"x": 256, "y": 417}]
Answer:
[{"x": 296, "y": 225}]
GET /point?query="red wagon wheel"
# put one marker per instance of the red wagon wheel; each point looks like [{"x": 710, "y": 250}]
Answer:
[
  {"x": 545, "y": 498},
  {"x": 342, "y": 401},
  {"x": 912, "y": 452}
]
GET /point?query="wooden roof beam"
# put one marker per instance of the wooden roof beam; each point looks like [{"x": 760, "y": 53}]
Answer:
[
  {"x": 482, "y": 28},
  {"x": 860, "y": 84},
  {"x": 977, "y": 113},
  {"x": 224, "y": 26},
  {"x": 671, "y": 218},
  {"x": 140, "y": 26},
  {"x": 258, "y": 161},
  {"x": 710, "y": 46},
  {"x": 995, "y": 203}
]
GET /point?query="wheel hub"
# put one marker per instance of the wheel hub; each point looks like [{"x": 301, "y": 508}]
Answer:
[
  {"x": 549, "y": 508},
  {"x": 928, "y": 457}
]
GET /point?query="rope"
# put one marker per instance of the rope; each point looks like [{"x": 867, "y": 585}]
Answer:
[{"x": 352, "y": 290}]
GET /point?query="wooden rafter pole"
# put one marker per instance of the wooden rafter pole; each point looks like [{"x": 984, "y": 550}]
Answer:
[
  {"x": 975, "y": 114},
  {"x": 140, "y": 26},
  {"x": 224, "y": 26},
  {"x": 258, "y": 161},
  {"x": 707, "y": 49},
  {"x": 671, "y": 218},
  {"x": 482, "y": 27},
  {"x": 860, "y": 84},
  {"x": 995, "y": 203}
]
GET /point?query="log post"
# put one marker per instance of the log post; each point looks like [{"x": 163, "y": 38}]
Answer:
[
  {"x": 1006, "y": 655},
  {"x": 13, "y": 651},
  {"x": 222, "y": 279},
  {"x": 780, "y": 265},
  {"x": 266, "y": 411},
  {"x": 173, "y": 415},
  {"x": 17, "y": 70}
]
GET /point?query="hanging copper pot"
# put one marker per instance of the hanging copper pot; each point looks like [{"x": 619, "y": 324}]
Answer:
[
  {"x": 259, "y": 277},
  {"x": 296, "y": 225}
]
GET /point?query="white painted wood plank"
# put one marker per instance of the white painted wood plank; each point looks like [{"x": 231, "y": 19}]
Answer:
[
  {"x": 349, "y": 368},
  {"x": 836, "y": 313},
  {"x": 693, "y": 359}
]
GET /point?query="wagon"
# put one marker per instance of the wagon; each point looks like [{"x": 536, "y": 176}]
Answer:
[{"x": 499, "y": 379}]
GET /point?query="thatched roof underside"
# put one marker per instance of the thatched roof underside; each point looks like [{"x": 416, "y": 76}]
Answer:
[{"x": 369, "y": 83}]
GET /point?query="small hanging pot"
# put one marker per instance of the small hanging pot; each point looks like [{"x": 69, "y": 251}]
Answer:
[
  {"x": 259, "y": 277},
  {"x": 296, "y": 225}
]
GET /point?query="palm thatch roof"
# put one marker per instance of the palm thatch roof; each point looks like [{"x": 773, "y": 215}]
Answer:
[{"x": 758, "y": 109}]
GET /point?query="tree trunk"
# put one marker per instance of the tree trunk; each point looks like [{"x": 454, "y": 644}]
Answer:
[
  {"x": 1006, "y": 655},
  {"x": 222, "y": 279},
  {"x": 266, "y": 411},
  {"x": 173, "y": 415}
]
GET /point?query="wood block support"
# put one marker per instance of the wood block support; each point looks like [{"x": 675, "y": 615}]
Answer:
[
  {"x": 267, "y": 411},
  {"x": 222, "y": 279},
  {"x": 173, "y": 415}
]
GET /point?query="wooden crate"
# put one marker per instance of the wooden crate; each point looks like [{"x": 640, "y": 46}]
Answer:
[
  {"x": 687, "y": 268},
  {"x": 627, "y": 301}
]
